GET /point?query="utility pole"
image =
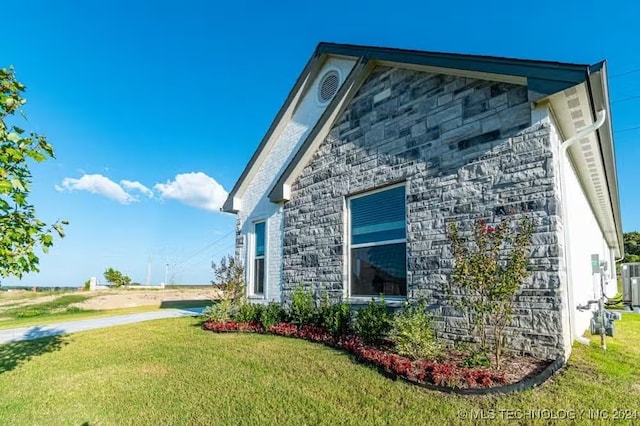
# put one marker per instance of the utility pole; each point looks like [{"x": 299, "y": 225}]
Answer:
[
  {"x": 149, "y": 268},
  {"x": 166, "y": 274}
]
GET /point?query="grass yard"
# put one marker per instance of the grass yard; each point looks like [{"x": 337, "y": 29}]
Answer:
[
  {"x": 172, "y": 372},
  {"x": 72, "y": 315},
  {"x": 58, "y": 310},
  {"x": 58, "y": 305}
]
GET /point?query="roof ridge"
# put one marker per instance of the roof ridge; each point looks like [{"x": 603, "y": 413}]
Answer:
[{"x": 330, "y": 47}]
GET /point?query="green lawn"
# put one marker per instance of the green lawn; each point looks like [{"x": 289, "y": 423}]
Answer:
[
  {"x": 58, "y": 305},
  {"x": 172, "y": 372},
  {"x": 73, "y": 315},
  {"x": 47, "y": 318}
]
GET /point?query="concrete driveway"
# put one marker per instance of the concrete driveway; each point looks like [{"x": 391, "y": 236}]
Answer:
[{"x": 38, "y": 331}]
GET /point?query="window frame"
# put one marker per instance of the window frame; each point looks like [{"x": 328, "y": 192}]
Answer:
[
  {"x": 251, "y": 290},
  {"x": 395, "y": 300}
]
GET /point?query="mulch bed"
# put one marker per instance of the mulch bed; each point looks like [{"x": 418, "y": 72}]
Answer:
[
  {"x": 447, "y": 373},
  {"x": 514, "y": 367}
]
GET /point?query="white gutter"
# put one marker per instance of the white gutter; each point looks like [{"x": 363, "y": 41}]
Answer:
[{"x": 602, "y": 115}]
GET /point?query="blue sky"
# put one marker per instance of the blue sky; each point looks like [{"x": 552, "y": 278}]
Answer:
[{"x": 175, "y": 96}]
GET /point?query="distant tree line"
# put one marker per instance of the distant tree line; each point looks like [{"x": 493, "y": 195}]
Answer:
[
  {"x": 632, "y": 247},
  {"x": 116, "y": 278}
]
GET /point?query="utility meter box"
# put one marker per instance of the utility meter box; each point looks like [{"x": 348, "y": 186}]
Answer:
[{"x": 595, "y": 263}]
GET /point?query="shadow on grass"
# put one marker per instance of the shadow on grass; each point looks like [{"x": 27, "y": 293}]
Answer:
[
  {"x": 37, "y": 341},
  {"x": 183, "y": 304}
]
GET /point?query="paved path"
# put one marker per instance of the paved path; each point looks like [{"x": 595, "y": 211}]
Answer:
[{"x": 38, "y": 331}]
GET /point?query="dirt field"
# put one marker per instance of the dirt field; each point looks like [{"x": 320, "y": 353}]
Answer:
[
  {"x": 25, "y": 298},
  {"x": 132, "y": 298}
]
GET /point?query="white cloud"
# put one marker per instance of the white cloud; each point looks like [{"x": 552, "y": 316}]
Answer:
[
  {"x": 97, "y": 184},
  {"x": 194, "y": 189},
  {"x": 137, "y": 186}
]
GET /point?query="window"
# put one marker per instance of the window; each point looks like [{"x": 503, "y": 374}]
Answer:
[
  {"x": 258, "y": 257},
  {"x": 378, "y": 251}
]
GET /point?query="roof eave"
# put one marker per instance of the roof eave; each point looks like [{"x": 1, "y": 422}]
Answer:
[
  {"x": 231, "y": 205},
  {"x": 545, "y": 77},
  {"x": 599, "y": 90}
]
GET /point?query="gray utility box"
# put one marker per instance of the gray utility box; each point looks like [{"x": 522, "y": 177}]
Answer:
[
  {"x": 629, "y": 271},
  {"x": 635, "y": 291}
]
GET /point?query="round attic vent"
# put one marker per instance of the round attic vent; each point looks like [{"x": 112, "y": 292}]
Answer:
[{"x": 328, "y": 86}]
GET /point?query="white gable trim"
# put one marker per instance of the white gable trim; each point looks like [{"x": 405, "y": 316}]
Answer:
[
  {"x": 294, "y": 109},
  {"x": 282, "y": 189},
  {"x": 273, "y": 137}
]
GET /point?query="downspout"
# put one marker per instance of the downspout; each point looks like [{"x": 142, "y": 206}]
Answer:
[{"x": 602, "y": 115}]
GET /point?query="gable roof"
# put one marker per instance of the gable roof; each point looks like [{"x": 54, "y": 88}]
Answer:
[{"x": 543, "y": 78}]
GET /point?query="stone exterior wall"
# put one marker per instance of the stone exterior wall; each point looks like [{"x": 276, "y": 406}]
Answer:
[{"x": 467, "y": 149}]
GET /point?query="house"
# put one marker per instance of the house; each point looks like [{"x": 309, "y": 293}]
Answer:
[{"x": 376, "y": 150}]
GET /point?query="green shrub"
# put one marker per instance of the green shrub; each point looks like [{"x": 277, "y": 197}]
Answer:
[
  {"x": 64, "y": 301},
  {"x": 229, "y": 278},
  {"x": 219, "y": 312},
  {"x": 272, "y": 315},
  {"x": 336, "y": 318},
  {"x": 30, "y": 312},
  {"x": 302, "y": 310},
  {"x": 373, "y": 322},
  {"x": 477, "y": 359},
  {"x": 412, "y": 332},
  {"x": 248, "y": 312}
]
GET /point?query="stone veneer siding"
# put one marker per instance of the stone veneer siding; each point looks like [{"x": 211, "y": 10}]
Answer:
[{"x": 467, "y": 149}]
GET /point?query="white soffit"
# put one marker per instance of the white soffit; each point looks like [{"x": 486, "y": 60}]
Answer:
[
  {"x": 572, "y": 110},
  {"x": 511, "y": 79}
]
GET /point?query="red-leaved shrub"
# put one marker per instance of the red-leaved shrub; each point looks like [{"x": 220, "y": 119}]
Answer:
[
  {"x": 284, "y": 329},
  {"x": 252, "y": 327}
]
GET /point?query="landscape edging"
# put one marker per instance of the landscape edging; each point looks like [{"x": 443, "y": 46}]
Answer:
[{"x": 524, "y": 384}]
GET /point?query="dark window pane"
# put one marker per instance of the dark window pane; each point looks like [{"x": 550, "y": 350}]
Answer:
[
  {"x": 379, "y": 216},
  {"x": 259, "y": 230},
  {"x": 379, "y": 270},
  {"x": 258, "y": 279}
]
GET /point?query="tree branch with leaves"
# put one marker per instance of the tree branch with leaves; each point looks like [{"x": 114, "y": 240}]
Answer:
[{"x": 20, "y": 230}]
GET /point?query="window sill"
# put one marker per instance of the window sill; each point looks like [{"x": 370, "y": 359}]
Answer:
[
  {"x": 391, "y": 301},
  {"x": 256, "y": 297}
]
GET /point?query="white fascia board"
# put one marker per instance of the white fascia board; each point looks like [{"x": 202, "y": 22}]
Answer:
[{"x": 572, "y": 112}]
